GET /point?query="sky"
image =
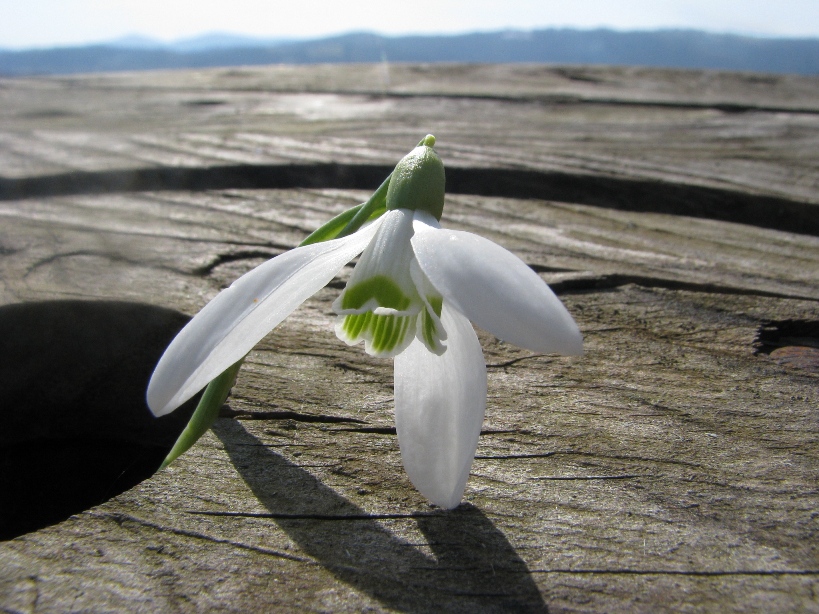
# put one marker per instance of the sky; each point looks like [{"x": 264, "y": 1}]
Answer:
[{"x": 47, "y": 23}]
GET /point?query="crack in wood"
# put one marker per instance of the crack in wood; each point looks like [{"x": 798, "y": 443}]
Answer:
[
  {"x": 518, "y": 456},
  {"x": 345, "y": 366},
  {"x": 591, "y": 477},
  {"x": 628, "y": 194},
  {"x": 641, "y": 459},
  {"x": 234, "y": 257},
  {"x": 112, "y": 257},
  {"x": 681, "y": 572},
  {"x": 617, "y": 280},
  {"x": 328, "y": 517},
  {"x": 238, "y": 414},
  {"x": 121, "y": 519},
  {"x": 568, "y": 99},
  {"x": 378, "y": 430},
  {"x": 390, "y": 430},
  {"x": 509, "y": 363}
]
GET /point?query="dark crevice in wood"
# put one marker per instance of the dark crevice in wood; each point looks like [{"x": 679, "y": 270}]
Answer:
[
  {"x": 682, "y": 572},
  {"x": 204, "y": 102},
  {"x": 344, "y": 366},
  {"x": 539, "y": 268},
  {"x": 390, "y": 430},
  {"x": 595, "y": 190},
  {"x": 337, "y": 285},
  {"x": 568, "y": 99},
  {"x": 635, "y": 459},
  {"x": 792, "y": 343},
  {"x": 724, "y": 107},
  {"x": 106, "y": 255},
  {"x": 236, "y": 256},
  {"x": 516, "y": 456},
  {"x": 228, "y": 412},
  {"x": 378, "y": 430},
  {"x": 590, "y": 477},
  {"x": 196, "y": 179},
  {"x": 121, "y": 519},
  {"x": 76, "y": 427},
  {"x": 509, "y": 363},
  {"x": 616, "y": 280},
  {"x": 571, "y": 99},
  {"x": 317, "y": 516},
  {"x": 784, "y": 333}
]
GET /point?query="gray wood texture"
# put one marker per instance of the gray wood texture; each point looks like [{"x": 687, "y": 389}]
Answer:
[{"x": 672, "y": 467}]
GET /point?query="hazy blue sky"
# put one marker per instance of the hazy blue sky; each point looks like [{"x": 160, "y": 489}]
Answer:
[{"x": 37, "y": 23}]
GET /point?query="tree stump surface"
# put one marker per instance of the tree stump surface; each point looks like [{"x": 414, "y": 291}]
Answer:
[{"x": 672, "y": 467}]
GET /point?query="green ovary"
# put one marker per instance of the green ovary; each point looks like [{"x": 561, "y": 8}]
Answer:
[{"x": 381, "y": 288}]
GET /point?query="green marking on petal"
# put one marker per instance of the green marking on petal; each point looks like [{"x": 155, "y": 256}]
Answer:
[
  {"x": 381, "y": 288},
  {"x": 385, "y": 334},
  {"x": 354, "y": 324},
  {"x": 430, "y": 331}
]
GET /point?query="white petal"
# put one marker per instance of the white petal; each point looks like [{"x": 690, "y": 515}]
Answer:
[
  {"x": 230, "y": 325},
  {"x": 494, "y": 289},
  {"x": 439, "y": 406}
]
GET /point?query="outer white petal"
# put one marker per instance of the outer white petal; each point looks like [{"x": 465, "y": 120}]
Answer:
[
  {"x": 494, "y": 288},
  {"x": 439, "y": 406},
  {"x": 230, "y": 325}
]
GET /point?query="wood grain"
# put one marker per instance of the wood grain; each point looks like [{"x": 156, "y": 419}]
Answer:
[{"x": 672, "y": 467}]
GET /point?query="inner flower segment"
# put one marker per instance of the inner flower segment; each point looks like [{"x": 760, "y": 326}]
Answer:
[{"x": 381, "y": 304}]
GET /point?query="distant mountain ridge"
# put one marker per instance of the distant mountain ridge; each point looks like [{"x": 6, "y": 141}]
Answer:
[{"x": 665, "y": 48}]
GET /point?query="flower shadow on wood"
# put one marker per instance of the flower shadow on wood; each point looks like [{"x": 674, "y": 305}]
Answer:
[{"x": 475, "y": 568}]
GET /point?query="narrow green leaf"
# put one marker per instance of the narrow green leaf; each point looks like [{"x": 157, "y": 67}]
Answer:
[
  {"x": 206, "y": 412},
  {"x": 374, "y": 207},
  {"x": 331, "y": 229}
]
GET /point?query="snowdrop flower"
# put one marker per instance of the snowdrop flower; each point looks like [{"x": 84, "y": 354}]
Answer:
[{"x": 411, "y": 296}]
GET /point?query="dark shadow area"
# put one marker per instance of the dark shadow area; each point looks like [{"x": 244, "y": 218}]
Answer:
[
  {"x": 76, "y": 428},
  {"x": 475, "y": 568},
  {"x": 605, "y": 192},
  {"x": 794, "y": 343}
]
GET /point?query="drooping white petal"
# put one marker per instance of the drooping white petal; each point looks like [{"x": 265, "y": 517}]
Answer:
[
  {"x": 439, "y": 407},
  {"x": 240, "y": 316},
  {"x": 494, "y": 288}
]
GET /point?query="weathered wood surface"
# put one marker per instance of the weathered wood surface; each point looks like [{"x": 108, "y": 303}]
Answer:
[{"x": 670, "y": 467}]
